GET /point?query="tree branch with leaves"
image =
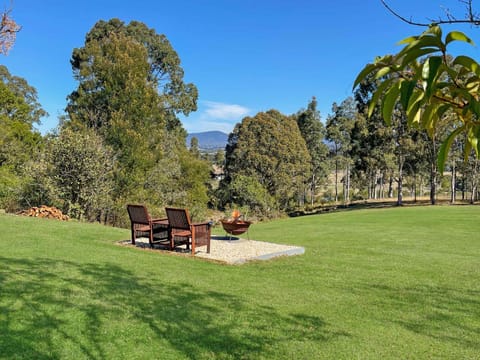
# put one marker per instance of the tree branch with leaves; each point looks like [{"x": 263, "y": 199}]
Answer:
[{"x": 430, "y": 84}]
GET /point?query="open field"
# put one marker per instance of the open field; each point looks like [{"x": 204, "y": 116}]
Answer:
[{"x": 396, "y": 283}]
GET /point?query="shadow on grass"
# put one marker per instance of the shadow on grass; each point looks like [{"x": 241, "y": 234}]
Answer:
[
  {"x": 442, "y": 313},
  {"x": 52, "y": 308}
]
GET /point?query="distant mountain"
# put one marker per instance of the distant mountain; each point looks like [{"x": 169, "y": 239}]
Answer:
[{"x": 209, "y": 140}]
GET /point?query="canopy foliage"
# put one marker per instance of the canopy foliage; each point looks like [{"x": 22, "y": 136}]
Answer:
[{"x": 429, "y": 85}]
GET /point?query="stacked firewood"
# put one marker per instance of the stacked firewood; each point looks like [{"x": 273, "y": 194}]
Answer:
[{"x": 44, "y": 211}]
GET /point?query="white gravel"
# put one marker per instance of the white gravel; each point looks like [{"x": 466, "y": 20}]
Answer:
[
  {"x": 236, "y": 250},
  {"x": 239, "y": 251}
]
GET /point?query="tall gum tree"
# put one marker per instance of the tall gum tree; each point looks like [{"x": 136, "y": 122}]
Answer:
[
  {"x": 313, "y": 132},
  {"x": 19, "y": 140},
  {"x": 130, "y": 91},
  {"x": 339, "y": 126},
  {"x": 159, "y": 61}
]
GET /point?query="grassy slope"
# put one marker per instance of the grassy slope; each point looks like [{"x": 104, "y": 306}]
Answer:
[{"x": 373, "y": 284}]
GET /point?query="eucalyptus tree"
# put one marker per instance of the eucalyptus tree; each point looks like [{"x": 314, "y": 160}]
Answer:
[
  {"x": 455, "y": 152},
  {"x": 19, "y": 140},
  {"x": 339, "y": 126},
  {"x": 372, "y": 145},
  {"x": 101, "y": 71},
  {"x": 418, "y": 163},
  {"x": 469, "y": 177},
  {"x": 269, "y": 149},
  {"x": 130, "y": 91},
  {"x": 313, "y": 132}
]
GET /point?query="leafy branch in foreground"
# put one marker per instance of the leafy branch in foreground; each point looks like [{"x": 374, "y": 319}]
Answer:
[{"x": 428, "y": 84}]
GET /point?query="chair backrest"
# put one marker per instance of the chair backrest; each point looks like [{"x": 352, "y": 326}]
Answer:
[
  {"x": 138, "y": 214},
  {"x": 178, "y": 218}
]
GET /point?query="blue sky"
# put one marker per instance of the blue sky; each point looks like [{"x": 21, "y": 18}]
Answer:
[{"x": 244, "y": 56}]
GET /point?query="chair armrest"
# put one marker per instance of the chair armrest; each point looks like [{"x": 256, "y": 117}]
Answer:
[{"x": 160, "y": 220}]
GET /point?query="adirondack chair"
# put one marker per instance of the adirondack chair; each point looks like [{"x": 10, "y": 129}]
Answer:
[
  {"x": 142, "y": 224},
  {"x": 181, "y": 227}
]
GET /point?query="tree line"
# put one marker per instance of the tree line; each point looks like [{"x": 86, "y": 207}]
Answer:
[{"x": 121, "y": 141}]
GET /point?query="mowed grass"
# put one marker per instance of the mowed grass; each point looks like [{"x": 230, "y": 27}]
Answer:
[{"x": 400, "y": 283}]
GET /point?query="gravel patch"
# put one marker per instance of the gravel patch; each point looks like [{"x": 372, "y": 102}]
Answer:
[
  {"x": 236, "y": 251},
  {"x": 239, "y": 251}
]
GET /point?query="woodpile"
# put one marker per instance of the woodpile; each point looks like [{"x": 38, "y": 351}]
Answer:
[{"x": 48, "y": 212}]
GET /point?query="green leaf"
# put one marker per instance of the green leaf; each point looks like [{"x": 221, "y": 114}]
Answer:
[
  {"x": 415, "y": 98},
  {"x": 457, "y": 36},
  {"x": 434, "y": 30},
  {"x": 431, "y": 70},
  {"x": 426, "y": 42},
  {"x": 376, "y": 96},
  {"x": 468, "y": 63},
  {"x": 472, "y": 138},
  {"x": 427, "y": 116},
  {"x": 477, "y": 134},
  {"x": 408, "y": 40},
  {"x": 389, "y": 102},
  {"x": 442, "y": 109},
  {"x": 414, "y": 115},
  {"x": 473, "y": 85},
  {"x": 445, "y": 148},
  {"x": 443, "y": 84},
  {"x": 415, "y": 54},
  {"x": 364, "y": 73},
  {"x": 474, "y": 106},
  {"x": 467, "y": 151},
  {"x": 406, "y": 93},
  {"x": 382, "y": 72}
]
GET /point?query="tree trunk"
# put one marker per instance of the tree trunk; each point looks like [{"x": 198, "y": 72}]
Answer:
[
  {"x": 347, "y": 184},
  {"x": 473, "y": 194},
  {"x": 336, "y": 180},
  {"x": 433, "y": 173},
  {"x": 390, "y": 187},
  {"x": 400, "y": 181},
  {"x": 415, "y": 187},
  {"x": 382, "y": 185},
  {"x": 433, "y": 183},
  {"x": 453, "y": 195},
  {"x": 312, "y": 190}
]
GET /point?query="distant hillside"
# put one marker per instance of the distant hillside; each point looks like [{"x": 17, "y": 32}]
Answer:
[{"x": 209, "y": 140}]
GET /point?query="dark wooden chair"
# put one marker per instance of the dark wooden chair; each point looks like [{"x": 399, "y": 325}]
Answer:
[
  {"x": 142, "y": 225},
  {"x": 181, "y": 227}
]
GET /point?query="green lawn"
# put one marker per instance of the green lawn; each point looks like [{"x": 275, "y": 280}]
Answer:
[{"x": 400, "y": 283}]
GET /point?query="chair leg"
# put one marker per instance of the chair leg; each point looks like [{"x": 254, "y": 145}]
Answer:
[
  {"x": 193, "y": 245},
  {"x": 133, "y": 234},
  {"x": 150, "y": 237},
  {"x": 170, "y": 238}
]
